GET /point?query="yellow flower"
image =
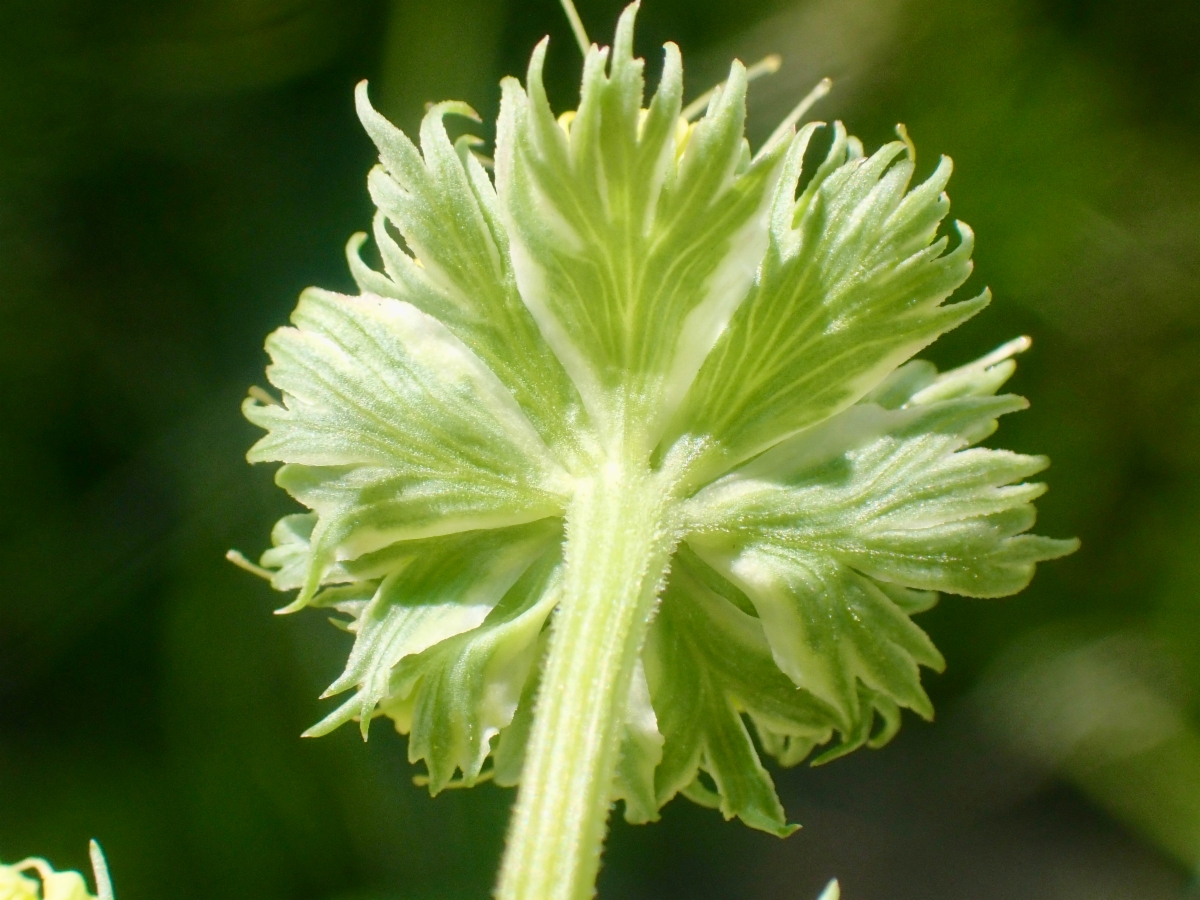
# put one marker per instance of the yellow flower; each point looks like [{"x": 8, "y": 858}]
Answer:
[
  {"x": 54, "y": 885},
  {"x": 16, "y": 883},
  {"x": 15, "y": 886}
]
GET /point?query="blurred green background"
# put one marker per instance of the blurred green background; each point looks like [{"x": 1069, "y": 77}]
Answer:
[{"x": 172, "y": 174}]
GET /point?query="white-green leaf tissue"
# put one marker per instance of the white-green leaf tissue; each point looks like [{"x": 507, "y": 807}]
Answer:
[{"x": 630, "y": 283}]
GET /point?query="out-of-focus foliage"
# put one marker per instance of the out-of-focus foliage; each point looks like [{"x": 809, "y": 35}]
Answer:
[
  {"x": 1107, "y": 712},
  {"x": 172, "y": 174}
]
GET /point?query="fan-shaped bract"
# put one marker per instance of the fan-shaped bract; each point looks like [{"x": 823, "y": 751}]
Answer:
[{"x": 639, "y": 306}]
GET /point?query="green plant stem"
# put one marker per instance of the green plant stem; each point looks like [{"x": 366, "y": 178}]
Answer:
[{"x": 618, "y": 546}]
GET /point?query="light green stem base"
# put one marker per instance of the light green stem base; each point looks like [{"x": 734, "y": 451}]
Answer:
[{"x": 617, "y": 550}]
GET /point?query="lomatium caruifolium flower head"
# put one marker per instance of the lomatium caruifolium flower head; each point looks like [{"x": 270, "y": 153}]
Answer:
[{"x": 635, "y": 290}]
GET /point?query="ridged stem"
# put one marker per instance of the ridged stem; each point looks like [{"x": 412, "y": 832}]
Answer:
[{"x": 618, "y": 546}]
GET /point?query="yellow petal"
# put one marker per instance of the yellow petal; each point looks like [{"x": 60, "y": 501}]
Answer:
[
  {"x": 65, "y": 886},
  {"x": 15, "y": 886}
]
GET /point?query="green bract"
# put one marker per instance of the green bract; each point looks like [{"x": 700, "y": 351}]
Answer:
[{"x": 645, "y": 343}]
